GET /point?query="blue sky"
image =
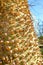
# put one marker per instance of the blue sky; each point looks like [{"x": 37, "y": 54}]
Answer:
[
  {"x": 37, "y": 12},
  {"x": 37, "y": 9}
]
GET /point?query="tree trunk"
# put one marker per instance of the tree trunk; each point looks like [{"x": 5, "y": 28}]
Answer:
[{"x": 18, "y": 41}]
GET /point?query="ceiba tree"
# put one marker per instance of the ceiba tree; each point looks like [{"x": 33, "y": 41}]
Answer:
[{"x": 18, "y": 41}]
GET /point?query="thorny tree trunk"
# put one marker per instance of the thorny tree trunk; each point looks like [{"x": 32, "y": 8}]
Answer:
[{"x": 18, "y": 41}]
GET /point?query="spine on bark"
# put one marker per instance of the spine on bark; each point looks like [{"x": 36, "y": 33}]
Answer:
[{"x": 18, "y": 41}]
